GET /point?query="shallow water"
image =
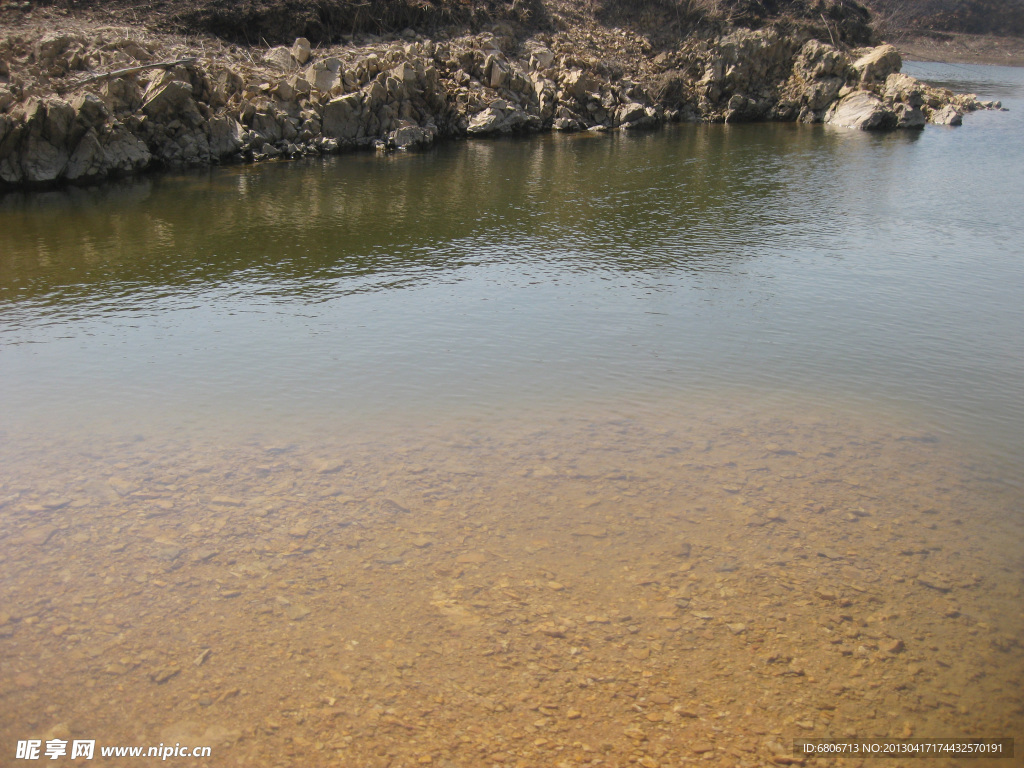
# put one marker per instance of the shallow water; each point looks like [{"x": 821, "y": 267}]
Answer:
[{"x": 582, "y": 450}]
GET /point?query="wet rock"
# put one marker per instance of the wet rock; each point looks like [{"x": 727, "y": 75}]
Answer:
[
  {"x": 892, "y": 645},
  {"x": 909, "y": 117},
  {"x": 490, "y": 120},
  {"x": 169, "y": 553},
  {"x": 635, "y": 733},
  {"x": 935, "y": 581},
  {"x": 391, "y": 507},
  {"x": 411, "y": 137},
  {"x": 25, "y": 680},
  {"x": 328, "y": 466},
  {"x": 204, "y": 555},
  {"x": 39, "y": 536},
  {"x": 163, "y": 674}
]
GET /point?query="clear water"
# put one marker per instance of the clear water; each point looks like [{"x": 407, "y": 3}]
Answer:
[
  {"x": 498, "y": 453},
  {"x": 786, "y": 263}
]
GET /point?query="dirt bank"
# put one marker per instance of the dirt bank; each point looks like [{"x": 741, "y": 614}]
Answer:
[{"x": 963, "y": 49}]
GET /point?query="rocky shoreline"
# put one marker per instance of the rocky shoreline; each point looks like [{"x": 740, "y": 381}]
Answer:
[{"x": 84, "y": 104}]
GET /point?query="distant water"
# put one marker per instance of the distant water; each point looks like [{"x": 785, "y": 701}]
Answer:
[{"x": 776, "y": 264}]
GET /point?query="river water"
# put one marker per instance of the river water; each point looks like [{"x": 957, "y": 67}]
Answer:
[{"x": 591, "y": 450}]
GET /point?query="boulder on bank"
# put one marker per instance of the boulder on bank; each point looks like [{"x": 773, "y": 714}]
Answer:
[
  {"x": 875, "y": 65},
  {"x": 863, "y": 110},
  {"x": 948, "y": 115},
  {"x": 411, "y": 137},
  {"x": 341, "y": 117}
]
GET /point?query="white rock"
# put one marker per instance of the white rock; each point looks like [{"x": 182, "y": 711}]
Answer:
[
  {"x": 909, "y": 117},
  {"x": 301, "y": 50},
  {"x": 225, "y": 136},
  {"x": 280, "y": 57},
  {"x": 411, "y": 137},
  {"x": 495, "y": 72},
  {"x": 904, "y": 88},
  {"x": 878, "y": 63},
  {"x": 41, "y": 161},
  {"x": 629, "y": 113},
  {"x": 123, "y": 152},
  {"x": 404, "y": 73},
  {"x": 90, "y": 109},
  {"x": 266, "y": 124},
  {"x": 863, "y": 110},
  {"x": 59, "y": 117},
  {"x": 541, "y": 58},
  {"x": 490, "y": 120},
  {"x": 577, "y": 83},
  {"x": 322, "y": 77},
  {"x": 948, "y": 115},
  {"x": 87, "y": 161},
  {"x": 170, "y": 100},
  {"x": 341, "y": 117},
  {"x": 284, "y": 91}
]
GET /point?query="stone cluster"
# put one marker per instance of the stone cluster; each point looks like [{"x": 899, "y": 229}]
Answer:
[{"x": 84, "y": 107}]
